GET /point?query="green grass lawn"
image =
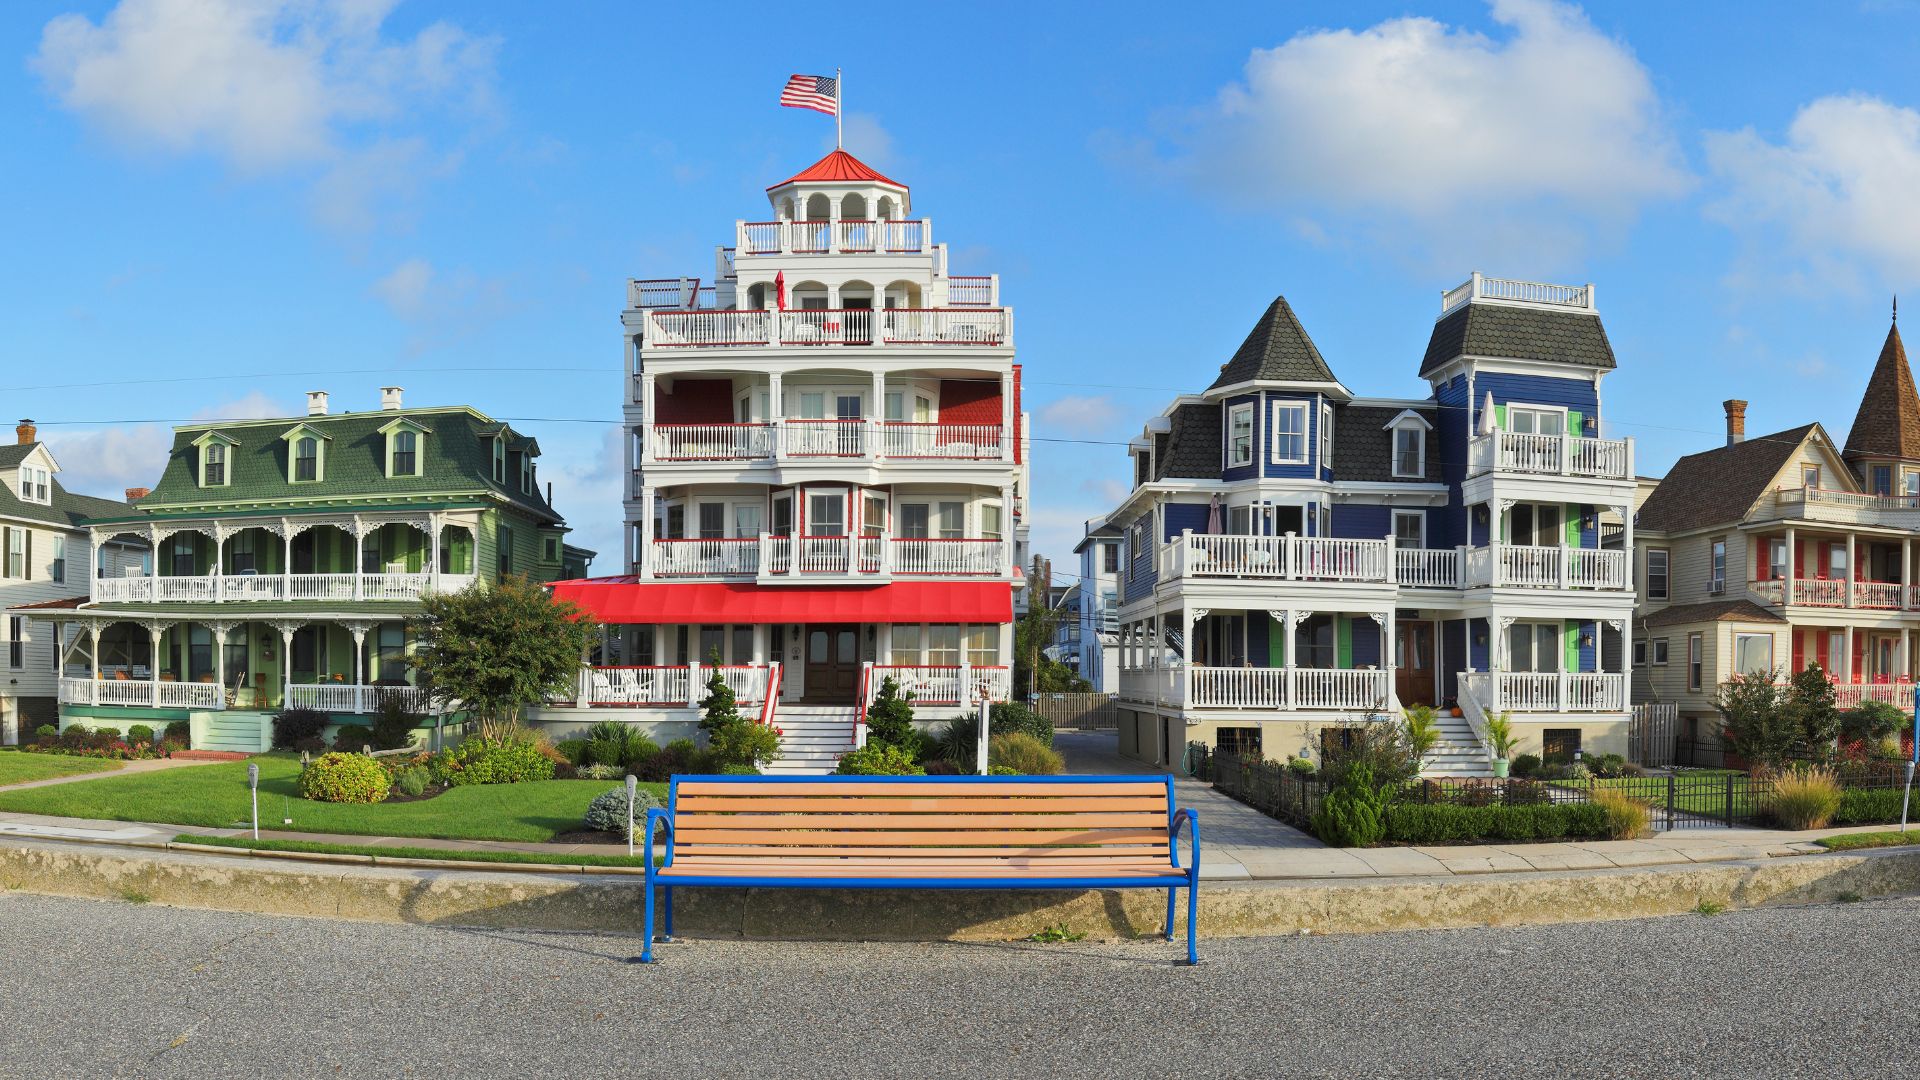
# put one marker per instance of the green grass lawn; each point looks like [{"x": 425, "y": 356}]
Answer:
[
  {"x": 1856, "y": 841},
  {"x": 216, "y": 796},
  {"x": 18, "y": 768},
  {"x": 385, "y": 852},
  {"x": 1695, "y": 791}
]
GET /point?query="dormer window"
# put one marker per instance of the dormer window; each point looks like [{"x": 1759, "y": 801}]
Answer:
[
  {"x": 1240, "y": 435},
  {"x": 499, "y": 460},
  {"x": 36, "y": 485},
  {"x": 306, "y": 459},
  {"x": 526, "y": 473},
  {"x": 213, "y": 465},
  {"x": 406, "y": 448},
  {"x": 1409, "y": 432}
]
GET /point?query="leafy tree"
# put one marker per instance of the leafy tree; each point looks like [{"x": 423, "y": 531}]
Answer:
[
  {"x": 494, "y": 651},
  {"x": 1759, "y": 723},
  {"x": 1810, "y": 700},
  {"x": 733, "y": 739},
  {"x": 1054, "y": 677},
  {"x": 1872, "y": 723},
  {"x": 1423, "y": 731},
  {"x": 1034, "y": 630},
  {"x": 890, "y": 718}
]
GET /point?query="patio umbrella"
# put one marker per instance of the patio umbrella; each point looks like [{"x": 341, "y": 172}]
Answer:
[
  {"x": 1488, "y": 421},
  {"x": 780, "y": 292},
  {"x": 1214, "y": 524}
]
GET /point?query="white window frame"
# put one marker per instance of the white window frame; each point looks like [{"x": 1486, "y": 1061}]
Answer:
[
  {"x": 36, "y": 485},
  {"x": 1303, "y": 434},
  {"x": 1739, "y": 641},
  {"x": 1326, "y": 435},
  {"x": 1696, "y": 662},
  {"x": 1240, "y": 454},
  {"x": 1717, "y": 566},
  {"x": 57, "y": 566},
  {"x": 500, "y": 459},
  {"x": 393, "y": 449},
  {"x": 207, "y": 463},
  {"x": 1810, "y": 476},
  {"x": 1666, "y": 574},
  {"x": 1418, "y": 515},
  {"x": 1419, "y": 449},
  {"x": 1520, "y": 406}
]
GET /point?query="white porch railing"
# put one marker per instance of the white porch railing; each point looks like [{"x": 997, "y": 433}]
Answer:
[
  {"x": 955, "y": 557},
  {"x": 337, "y": 697},
  {"x": 965, "y": 442},
  {"x": 394, "y": 586},
  {"x": 973, "y": 291},
  {"x": 821, "y": 237},
  {"x": 707, "y": 558},
  {"x": 832, "y": 326},
  {"x": 1550, "y": 455},
  {"x": 824, "y": 555},
  {"x": 320, "y": 586},
  {"x": 840, "y": 326},
  {"x": 1481, "y": 287},
  {"x": 1334, "y": 688},
  {"x": 670, "y": 329},
  {"x": 148, "y": 693},
  {"x": 1852, "y": 695},
  {"x": 1524, "y": 566},
  {"x": 1876, "y": 594},
  {"x": 1238, "y": 688},
  {"x": 940, "y": 684},
  {"x": 1429, "y": 568},
  {"x": 1548, "y": 691},
  {"x": 638, "y": 685},
  {"x": 710, "y": 442},
  {"x": 243, "y": 588},
  {"x": 1350, "y": 689},
  {"x": 946, "y": 326},
  {"x": 1296, "y": 557},
  {"x": 825, "y": 438}
]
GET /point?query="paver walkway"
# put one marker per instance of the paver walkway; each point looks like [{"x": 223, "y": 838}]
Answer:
[{"x": 127, "y": 768}]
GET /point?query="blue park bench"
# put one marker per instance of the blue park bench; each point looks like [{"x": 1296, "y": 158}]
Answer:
[{"x": 923, "y": 832}]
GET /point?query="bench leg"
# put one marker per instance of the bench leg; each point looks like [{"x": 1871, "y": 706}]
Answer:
[
  {"x": 668, "y": 897},
  {"x": 646, "y": 944},
  {"x": 1193, "y": 921},
  {"x": 1170, "y": 895}
]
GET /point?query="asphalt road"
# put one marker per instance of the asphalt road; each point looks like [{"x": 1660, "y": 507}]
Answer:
[{"x": 92, "y": 988}]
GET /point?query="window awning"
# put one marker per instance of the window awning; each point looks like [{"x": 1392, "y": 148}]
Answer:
[{"x": 630, "y": 600}]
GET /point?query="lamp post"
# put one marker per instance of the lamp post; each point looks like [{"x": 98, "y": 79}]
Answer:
[{"x": 253, "y": 790}]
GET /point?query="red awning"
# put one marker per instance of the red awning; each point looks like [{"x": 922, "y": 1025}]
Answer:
[{"x": 630, "y": 600}]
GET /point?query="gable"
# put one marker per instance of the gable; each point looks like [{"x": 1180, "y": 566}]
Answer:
[{"x": 1720, "y": 486}]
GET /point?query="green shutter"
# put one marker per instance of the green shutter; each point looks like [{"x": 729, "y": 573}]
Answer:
[
  {"x": 1500, "y": 417},
  {"x": 1276, "y": 642},
  {"x": 1342, "y": 642},
  {"x": 1576, "y": 423},
  {"x": 1572, "y": 635},
  {"x": 1570, "y": 517}
]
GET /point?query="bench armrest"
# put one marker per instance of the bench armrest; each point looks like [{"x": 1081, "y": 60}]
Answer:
[
  {"x": 656, "y": 816},
  {"x": 1185, "y": 816}
]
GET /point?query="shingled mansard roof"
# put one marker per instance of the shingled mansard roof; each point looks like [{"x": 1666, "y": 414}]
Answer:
[
  {"x": 1518, "y": 333},
  {"x": 65, "y": 509},
  {"x": 1192, "y": 449},
  {"x": 1364, "y": 450},
  {"x": 1278, "y": 350},
  {"x": 1719, "y": 486},
  {"x": 1888, "y": 423}
]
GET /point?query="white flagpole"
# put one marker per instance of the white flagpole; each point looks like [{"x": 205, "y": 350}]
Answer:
[{"x": 839, "y": 96}]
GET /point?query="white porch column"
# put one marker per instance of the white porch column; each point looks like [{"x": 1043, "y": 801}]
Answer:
[
  {"x": 1906, "y": 573},
  {"x": 1846, "y": 655},
  {"x": 1006, "y": 416},
  {"x": 776, "y": 412},
  {"x": 647, "y": 418},
  {"x": 1852, "y": 573},
  {"x": 154, "y": 630},
  {"x": 286, "y": 663},
  {"x": 1793, "y": 558},
  {"x": 877, "y": 413},
  {"x": 1288, "y": 619},
  {"x": 219, "y": 631},
  {"x": 359, "y": 632},
  {"x": 643, "y": 556},
  {"x": 1626, "y": 540},
  {"x": 434, "y": 525},
  {"x": 1006, "y": 529},
  {"x": 1902, "y": 669},
  {"x": 359, "y": 559}
]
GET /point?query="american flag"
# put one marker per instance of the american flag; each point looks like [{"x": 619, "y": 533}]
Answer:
[{"x": 821, "y": 93}]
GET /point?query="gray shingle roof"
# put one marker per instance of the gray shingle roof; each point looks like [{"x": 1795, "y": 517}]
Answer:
[
  {"x": 1712, "y": 611},
  {"x": 66, "y": 510},
  {"x": 1192, "y": 449},
  {"x": 1518, "y": 333},
  {"x": 1277, "y": 350},
  {"x": 1888, "y": 423},
  {"x": 1363, "y": 448},
  {"x": 1719, "y": 486}
]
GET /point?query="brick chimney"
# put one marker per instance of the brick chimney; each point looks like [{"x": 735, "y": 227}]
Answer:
[
  {"x": 136, "y": 494},
  {"x": 25, "y": 434},
  {"x": 1736, "y": 420}
]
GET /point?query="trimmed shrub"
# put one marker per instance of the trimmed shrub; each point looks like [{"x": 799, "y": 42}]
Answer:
[
  {"x": 1443, "y": 823},
  {"x": 747, "y": 742},
  {"x": 1626, "y": 818},
  {"x": 47, "y": 733},
  {"x": 1524, "y": 766},
  {"x": 179, "y": 732},
  {"x": 608, "y": 811},
  {"x": 1303, "y": 768},
  {"x": 412, "y": 782},
  {"x": 140, "y": 735},
  {"x": 599, "y": 772},
  {"x": 890, "y": 718},
  {"x": 291, "y": 726},
  {"x": 878, "y": 759},
  {"x": 393, "y": 722},
  {"x": 1023, "y": 754},
  {"x": 575, "y": 751},
  {"x": 1804, "y": 797},
  {"x": 1351, "y": 814},
  {"x": 1870, "y": 806},
  {"x": 74, "y": 736},
  {"x": 480, "y": 760},
  {"x": 1607, "y": 766},
  {"x": 344, "y": 778}
]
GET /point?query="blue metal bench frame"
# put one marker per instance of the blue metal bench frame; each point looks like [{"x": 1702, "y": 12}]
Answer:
[{"x": 1181, "y": 876}]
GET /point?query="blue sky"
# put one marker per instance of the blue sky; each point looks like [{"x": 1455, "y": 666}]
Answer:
[{"x": 215, "y": 205}]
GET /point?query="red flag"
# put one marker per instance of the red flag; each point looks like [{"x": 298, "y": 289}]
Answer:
[{"x": 780, "y": 289}]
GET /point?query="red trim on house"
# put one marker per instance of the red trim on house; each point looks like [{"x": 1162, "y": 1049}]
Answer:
[
  {"x": 630, "y": 600},
  {"x": 1016, "y": 415},
  {"x": 1799, "y": 649}
]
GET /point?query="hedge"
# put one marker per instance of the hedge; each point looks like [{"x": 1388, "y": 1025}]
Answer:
[
  {"x": 1869, "y": 806},
  {"x": 1442, "y": 823}
]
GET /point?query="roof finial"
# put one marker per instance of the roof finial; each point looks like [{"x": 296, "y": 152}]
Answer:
[{"x": 1896, "y": 307}]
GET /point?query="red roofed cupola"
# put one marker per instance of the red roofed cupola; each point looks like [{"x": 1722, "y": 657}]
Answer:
[{"x": 839, "y": 187}]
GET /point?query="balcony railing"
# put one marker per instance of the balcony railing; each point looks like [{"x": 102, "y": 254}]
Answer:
[
  {"x": 677, "y": 293},
  {"x": 961, "y": 442},
  {"x": 1528, "y": 567},
  {"x": 948, "y": 557},
  {"x": 980, "y": 291},
  {"x": 826, "y": 438},
  {"x": 1481, "y": 287},
  {"x": 1853, "y": 695},
  {"x": 1301, "y": 558},
  {"x": 827, "y": 237},
  {"x": 351, "y": 698},
  {"x": 1202, "y": 686},
  {"x": 1429, "y": 568},
  {"x": 670, "y": 686},
  {"x": 941, "y": 684},
  {"x": 773, "y": 557},
  {"x": 711, "y": 442},
  {"x": 1547, "y": 692},
  {"x": 823, "y": 327},
  {"x": 1550, "y": 455},
  {"x": 245, "y": 588},
  {"x": 1833, "y": 593},
  {"x": 707, "y": 558}
]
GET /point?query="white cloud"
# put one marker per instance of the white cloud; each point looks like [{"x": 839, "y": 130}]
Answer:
[
  {"x": 263, "y": 85},
  {"x": 867, "y": 140},
  {"x": 1079, "y": 415},
  {"x": 448, "y": 305},
  {"x": 1524, "y": 144},
  {"x": 105, "y": 461},
  {"x": 1835, "y": 196},
  {"x": 405, "y": 289}
]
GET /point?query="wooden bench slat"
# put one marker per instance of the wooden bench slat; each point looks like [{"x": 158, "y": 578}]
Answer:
[
  {"x": 918, "y": 821},
  {"x": 951, "y": 838},
  {"x": 922, "y": 789},
  {"x": 882, "y": 803},
  {"x": 984, "y": 853},
  {"x": 734, "y": 861},
  {"x": 997, "y": 871}
]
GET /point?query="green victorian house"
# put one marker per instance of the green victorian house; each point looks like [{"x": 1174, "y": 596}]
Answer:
[{"x": 288, "y": 556}]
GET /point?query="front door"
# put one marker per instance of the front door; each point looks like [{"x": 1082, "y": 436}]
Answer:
[
  {"x": 1414, "y": 663},
  {"x": 833, "y": 665}
]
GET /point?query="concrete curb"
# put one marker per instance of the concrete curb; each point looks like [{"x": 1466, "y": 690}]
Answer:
[{"x": 576, "y": 901}]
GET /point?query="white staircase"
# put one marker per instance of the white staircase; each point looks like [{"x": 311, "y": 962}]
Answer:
[
  {"x": 815, "y": 737},
  {"x": 1459, "y": 753}
]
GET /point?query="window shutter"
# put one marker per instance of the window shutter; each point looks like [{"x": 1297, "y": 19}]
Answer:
[
  {"x": 26, "y": 569},
  {"x": 1799, "y": 651},
  {"x": 6, "y": 545}
]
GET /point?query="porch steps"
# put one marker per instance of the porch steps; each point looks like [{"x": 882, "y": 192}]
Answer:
[
  {"x": 1458, "y": 753},
  {"x": 814, "y": 738}
]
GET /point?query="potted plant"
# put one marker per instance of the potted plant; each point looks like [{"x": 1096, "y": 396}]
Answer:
[{"x": 1500, "y": 735}]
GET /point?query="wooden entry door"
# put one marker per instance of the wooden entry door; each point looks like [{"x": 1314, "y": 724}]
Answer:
[
  {"x": 1413, "y": 658},
  {"x": 833, "y": 664}
]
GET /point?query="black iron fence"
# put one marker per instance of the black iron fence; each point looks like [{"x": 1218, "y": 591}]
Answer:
[{"x": 1683, "y": 799}]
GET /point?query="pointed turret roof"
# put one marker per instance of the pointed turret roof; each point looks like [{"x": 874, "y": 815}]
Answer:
[
  {"x": 1277, "y": 350},
  {"x": 839, "y": 167},
  {"x": 1888, "y": 423}
]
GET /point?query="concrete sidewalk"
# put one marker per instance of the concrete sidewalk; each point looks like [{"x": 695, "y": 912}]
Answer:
[{"x": 1237, "y": 841}]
